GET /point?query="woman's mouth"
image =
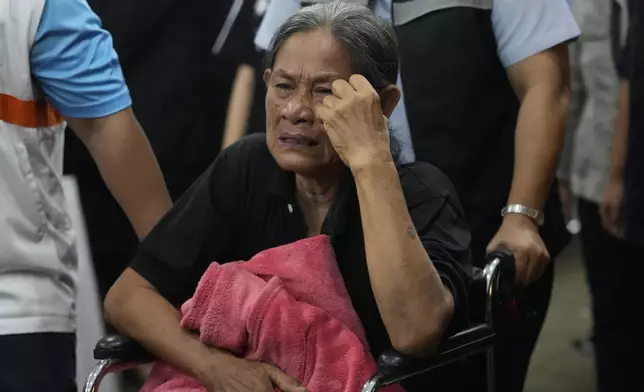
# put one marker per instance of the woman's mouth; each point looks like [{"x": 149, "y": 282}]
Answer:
[{"x": 297, "y": 141}]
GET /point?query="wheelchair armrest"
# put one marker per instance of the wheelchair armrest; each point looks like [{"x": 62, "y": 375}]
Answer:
[
  {"x": 395, "y": 367},
  {"x": 122, "y": 349},
  {"x": 492, "y": 286}
]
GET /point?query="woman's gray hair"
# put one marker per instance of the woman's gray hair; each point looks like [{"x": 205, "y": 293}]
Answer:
[{"x": 370, "y": 41}]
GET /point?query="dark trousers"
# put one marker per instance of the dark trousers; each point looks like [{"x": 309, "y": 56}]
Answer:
[
  {"x": 38, "y": 362},
  {"x": 615, "y": 272},
  {"x": 517, "y": 332}
]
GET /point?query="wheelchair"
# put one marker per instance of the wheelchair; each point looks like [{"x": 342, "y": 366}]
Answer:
[{"x": 491, "y": 288}]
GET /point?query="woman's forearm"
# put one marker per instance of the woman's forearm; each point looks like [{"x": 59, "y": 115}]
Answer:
[
  {"x": 414, "y": 304},
  {"x": 137, "y": 310}
]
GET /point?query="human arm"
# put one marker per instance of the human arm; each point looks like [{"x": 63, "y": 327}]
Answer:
[
  {"x": 143, "y": 303},
  {"x": 132, "y": 294},
  {"x": 531, "y": 38},
  {"x": 578, "y": 98},
  {"x": 239, "y": 105},
  {"x": 611, "y": 211},
  {"x": 618, "y": 152},
  {"x": 611, "y": 208},
  {"x": 414, "y": 244},
  {"x": 128, "y": 166},
  {"x": 73, "y": 60},
  {"x": 157, "y": 328},
  {"x": 414, "y": 303},
  {"x": 541, "y": 82}
]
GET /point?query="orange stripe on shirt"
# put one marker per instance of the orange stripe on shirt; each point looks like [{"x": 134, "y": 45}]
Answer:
[{"x": 28, "y": 114}]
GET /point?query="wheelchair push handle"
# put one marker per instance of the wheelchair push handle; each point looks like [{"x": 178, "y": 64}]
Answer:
[
  {"x": 500, "y": 272},
  {"x": 506, "y": 262}
]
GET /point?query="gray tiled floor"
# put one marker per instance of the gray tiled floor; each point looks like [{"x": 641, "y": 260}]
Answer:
[{"x": 556, "y": 366}]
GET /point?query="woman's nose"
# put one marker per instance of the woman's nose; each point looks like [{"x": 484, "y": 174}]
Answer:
[{"x": 299, "y": 109}]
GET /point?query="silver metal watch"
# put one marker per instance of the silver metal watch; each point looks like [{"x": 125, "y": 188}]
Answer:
[{"x": 523, "y": 210}]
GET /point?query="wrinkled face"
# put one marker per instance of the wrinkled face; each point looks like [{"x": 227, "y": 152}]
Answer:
[{"x": 304, "y": 68}]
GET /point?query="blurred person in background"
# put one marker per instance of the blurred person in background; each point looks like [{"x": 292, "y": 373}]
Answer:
[
  {"x": 611, "y": 263},
  {"x": 179, "y": 60},
  {"x": 246, "y": 111},
  {"x": 58, "y": 65},
  {"x": 623, "y": 205},
  {"x": 622, "y": 209},
  {"x": 485, "y": 82}
]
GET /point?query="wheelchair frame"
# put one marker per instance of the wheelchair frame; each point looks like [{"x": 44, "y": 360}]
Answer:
[{"x": 116, "y": 353}]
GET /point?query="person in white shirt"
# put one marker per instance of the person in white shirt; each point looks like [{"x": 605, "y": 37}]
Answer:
[{"x": 57, "y": 65}]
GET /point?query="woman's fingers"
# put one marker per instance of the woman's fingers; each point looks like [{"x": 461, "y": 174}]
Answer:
[
  {"x": 330, "y": 101},
  {"x": 282, "y": 380},
  {"x": 360, "y": 83},
  {"x": 322, "y": 113},
  {"x": 342, "y": 88}
]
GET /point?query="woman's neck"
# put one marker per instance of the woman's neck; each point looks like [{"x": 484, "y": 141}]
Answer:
[{"x": 314, "y": 196}]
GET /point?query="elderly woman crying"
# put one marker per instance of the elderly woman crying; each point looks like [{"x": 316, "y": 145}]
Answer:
[{"x": 324, "y": 166}]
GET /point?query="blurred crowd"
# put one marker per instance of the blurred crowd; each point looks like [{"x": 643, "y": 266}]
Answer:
[{"x": 195, "y": 73}]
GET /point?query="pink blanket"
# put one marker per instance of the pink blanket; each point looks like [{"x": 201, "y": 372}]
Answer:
[{"x": 287, "y": 306}]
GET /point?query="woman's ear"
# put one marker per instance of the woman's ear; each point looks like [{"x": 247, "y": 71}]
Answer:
[
  {"x": 389, "y": 97},
  {"x": 267, "y": 75}
]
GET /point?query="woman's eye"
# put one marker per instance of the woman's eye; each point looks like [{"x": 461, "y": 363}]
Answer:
[
  {"x": 283, "y": 86},
  {"x": 324, "y": 91}
]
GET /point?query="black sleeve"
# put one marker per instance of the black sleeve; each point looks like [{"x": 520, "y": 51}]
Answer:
[
  {"x": 444, "y": 232},
  {"x": 198, "y": 230}
]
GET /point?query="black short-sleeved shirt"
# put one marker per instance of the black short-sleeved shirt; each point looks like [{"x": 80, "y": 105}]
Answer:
[{"x": 245, "y": 203}]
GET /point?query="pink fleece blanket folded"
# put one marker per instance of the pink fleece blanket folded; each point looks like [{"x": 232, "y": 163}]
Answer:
[{"x": 287, "y": 306}]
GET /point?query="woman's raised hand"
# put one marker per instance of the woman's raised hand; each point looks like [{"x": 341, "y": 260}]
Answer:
[
  {"x": 241, "y": 375},
  {"x": 354, "y": 122}
]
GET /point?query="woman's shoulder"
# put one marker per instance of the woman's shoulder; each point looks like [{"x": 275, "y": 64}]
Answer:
[{"x": 425, "y": 181}]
